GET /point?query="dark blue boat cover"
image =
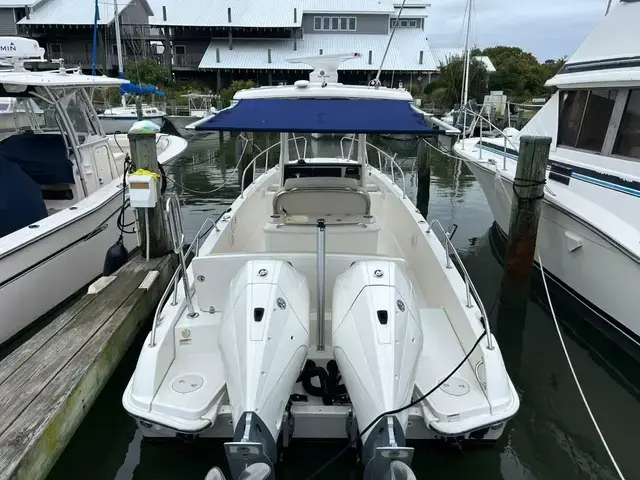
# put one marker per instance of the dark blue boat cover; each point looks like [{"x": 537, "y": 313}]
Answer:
[
  {"x": 21, "y": 202},
  {"x": 319, "y": 116},
  {"x": 41, "y": 156}
]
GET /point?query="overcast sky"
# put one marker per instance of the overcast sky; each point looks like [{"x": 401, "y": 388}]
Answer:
[{"x": 546, "y": 28}]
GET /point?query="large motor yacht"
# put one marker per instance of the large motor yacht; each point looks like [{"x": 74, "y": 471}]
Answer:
[{"x": 589, "y": 231}]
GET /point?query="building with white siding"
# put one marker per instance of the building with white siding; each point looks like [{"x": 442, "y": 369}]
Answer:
[{"x": 219, "y": 41}]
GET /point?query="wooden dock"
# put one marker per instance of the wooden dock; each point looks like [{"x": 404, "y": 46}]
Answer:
[{"x": 50, "y": 382}]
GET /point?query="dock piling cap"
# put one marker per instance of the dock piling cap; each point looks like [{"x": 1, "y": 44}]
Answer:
[{"x": 145, "y": 126}]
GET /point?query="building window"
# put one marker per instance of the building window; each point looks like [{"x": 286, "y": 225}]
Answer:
[
  {"x": 114, "y": 49},
  {"x": 334, "y": 24},
  {"x": 584, "y": 118},
  {"x": 413, "y": 23},
  {"x": 628, "y": 141},
  {"x": 180, "y": 49}
]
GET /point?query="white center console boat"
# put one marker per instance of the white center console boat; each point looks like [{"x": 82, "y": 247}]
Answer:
[{"x": 322, "y": 305}]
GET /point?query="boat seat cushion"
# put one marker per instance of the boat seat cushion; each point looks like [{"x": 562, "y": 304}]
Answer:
[{"x": 321, "y": 196}]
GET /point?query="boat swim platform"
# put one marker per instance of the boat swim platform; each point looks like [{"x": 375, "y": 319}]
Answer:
[{"x": 49, "y": 383}]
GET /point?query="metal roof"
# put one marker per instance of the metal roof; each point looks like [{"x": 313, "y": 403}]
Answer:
[
  {"x": 256, "y": 13},
  {"x": 74, "y": 12},
  {"x": 404, "y": 52},
  {"x": 244, "y": 13},
  {"x": 351, "y": 6},
  {"x": 18, "y": 3}
]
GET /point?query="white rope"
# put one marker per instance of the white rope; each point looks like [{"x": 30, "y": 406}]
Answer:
[{"x": 573, "y": 372}]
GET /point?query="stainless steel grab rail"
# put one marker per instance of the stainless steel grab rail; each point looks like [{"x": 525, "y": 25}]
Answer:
[
  {"x": 387, "y": 157},
  {"x": 266, "y": 160},
  {"x": 470, "y": 288},
  {"x": 175, "y": 224}
]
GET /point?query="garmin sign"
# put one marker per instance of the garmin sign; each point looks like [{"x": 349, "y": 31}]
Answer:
[
  {"x": 20, "y": 48},
  {"x": 8, "y": 48}
]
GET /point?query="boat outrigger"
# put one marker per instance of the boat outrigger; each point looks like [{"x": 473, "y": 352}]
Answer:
[{"x": 321, "y": 268}]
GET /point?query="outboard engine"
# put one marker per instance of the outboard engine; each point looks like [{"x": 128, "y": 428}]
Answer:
[
  {"x": 377, "y": 342},
  {"x": 264, "y": 338}
]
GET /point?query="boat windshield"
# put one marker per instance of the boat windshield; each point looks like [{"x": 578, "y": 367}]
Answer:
[{"x": 81, "y": 114}]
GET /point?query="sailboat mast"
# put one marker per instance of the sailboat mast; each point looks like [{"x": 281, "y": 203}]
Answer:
[
  {"x": 94, "y": 49},
  {"x": 118, "y": 38},
  {"x": 116, "y": 16},
  {"x": 465, "y": 88}
]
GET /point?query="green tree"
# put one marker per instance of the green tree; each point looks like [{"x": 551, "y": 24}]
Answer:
[
  {"x": 518, "y": 73},
  {"x": 146, "y": 72},
  {"x": 226, "y": 94},
  {"x": 552, "y": 67},
  {"x": 445, "y": 91}
]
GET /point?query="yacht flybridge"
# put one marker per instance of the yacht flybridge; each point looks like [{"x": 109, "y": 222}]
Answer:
[
  {"x": 589, "y": 232},
  {"x": 60, "y": 186},
  {"x": 322, "y": 304}
]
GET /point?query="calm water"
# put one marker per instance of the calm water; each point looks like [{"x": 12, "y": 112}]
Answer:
[{"x": 550, "y": 438}]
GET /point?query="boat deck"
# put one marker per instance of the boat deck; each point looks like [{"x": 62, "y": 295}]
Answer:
[{"x": 49, "y": 383}]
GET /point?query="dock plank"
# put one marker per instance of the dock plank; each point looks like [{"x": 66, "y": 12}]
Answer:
[
  {"x": 32, "y": 376},
  {"x": 15, "y": 359},
  {"x": 32, "y": 440}
]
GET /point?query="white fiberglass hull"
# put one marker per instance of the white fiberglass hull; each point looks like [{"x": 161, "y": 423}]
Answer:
[
  {"x": 180, "y": 123},
  {"x": 37, "y": 276},
  {"x": 578, "y": 254},
  {"x": 122, "y": 124},
  {"x": 180, "y": 384}
]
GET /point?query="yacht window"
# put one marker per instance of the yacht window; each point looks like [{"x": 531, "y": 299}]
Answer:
[
  {"x": 571, "y": 109},
  {"x": 596, "y": 119},
  {"x": 584, "y": 118},
  {"x": 628, "y": 141}
]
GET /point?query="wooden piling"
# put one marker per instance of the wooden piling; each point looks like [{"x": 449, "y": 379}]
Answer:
[
  {"x": 139, "y": 108},
  {"x": 144, "y": 156},
  {"x": 245, "y": 148},
  {"x": 526, "y": 204},
  {"x": 424, "y": 178}
]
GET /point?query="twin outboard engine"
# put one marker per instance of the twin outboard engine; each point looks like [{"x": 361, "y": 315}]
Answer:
[
  {"x": 377, "y": 343},
  {"x": 264, "y": 338}
]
